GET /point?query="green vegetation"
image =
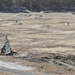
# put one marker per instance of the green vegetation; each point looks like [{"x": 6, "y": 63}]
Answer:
[
  {"x": 36, "y": 4},
  {"x": 6, "y": 47}
]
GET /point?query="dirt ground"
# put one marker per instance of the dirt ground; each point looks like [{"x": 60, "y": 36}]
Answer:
[
  {"x": 38, "y": 38},
  {"x": 6, "y": 73}
]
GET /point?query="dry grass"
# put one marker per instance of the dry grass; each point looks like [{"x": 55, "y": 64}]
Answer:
[{"x": 44, "y": 32}]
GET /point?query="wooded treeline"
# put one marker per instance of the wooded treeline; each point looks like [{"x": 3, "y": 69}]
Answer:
[{"x": 36, "y": 4}]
